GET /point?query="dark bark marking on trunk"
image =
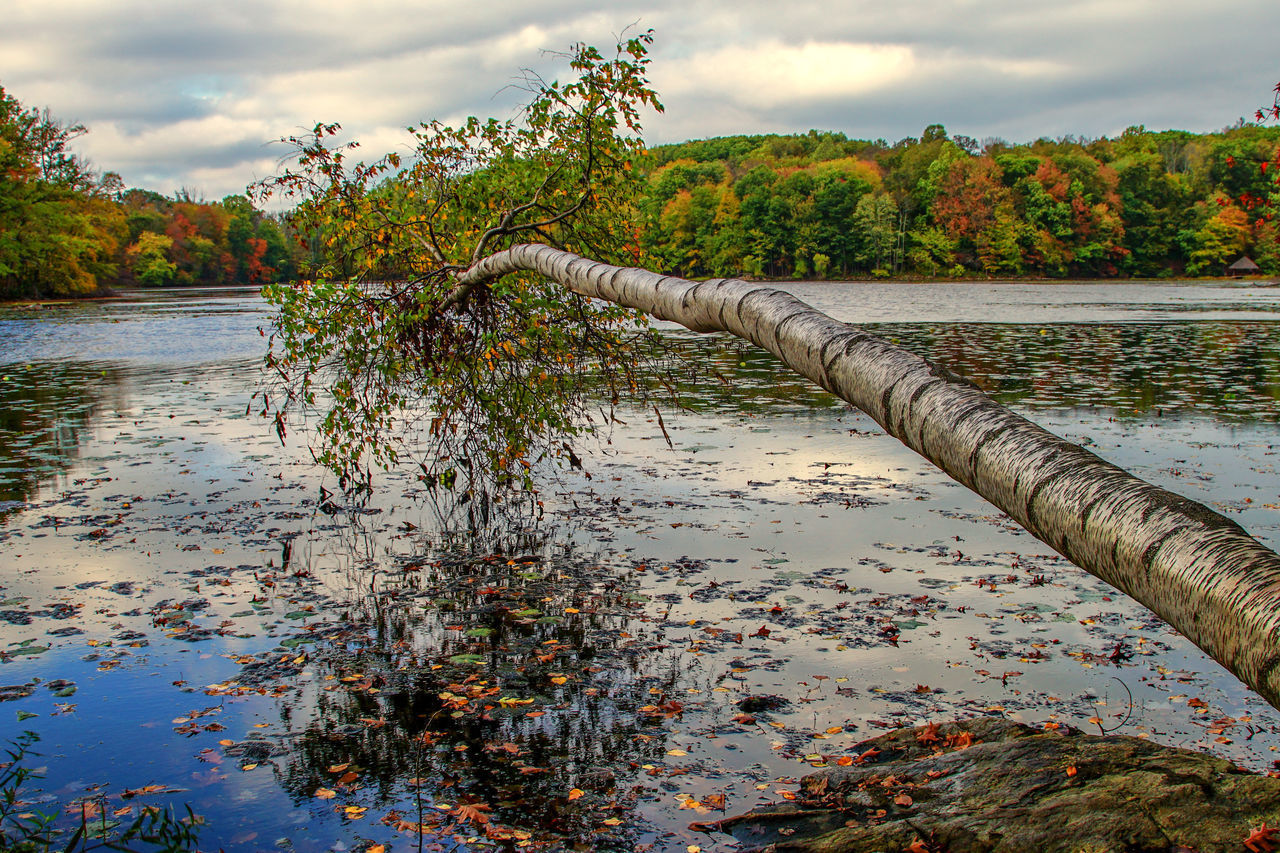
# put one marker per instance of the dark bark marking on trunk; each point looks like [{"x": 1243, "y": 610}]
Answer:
[
  {"x": 1163, "y": 499},
  {"x": 920, "y": 391},
  {"x": 1267, "y": 669},
  {"x": 1033, "y": 515},
  {"x": 885, "y": 397},
  {"x": 992, "y": 433},
  {"x": 613, "y": 278},
  {"x": 1152, "y": 550},
  {"x": 1097, "y": 501},
  {"x": 952, "y": 377},
  {"x": 826, "y": 360},
  {"x": 800, "y": 312}
]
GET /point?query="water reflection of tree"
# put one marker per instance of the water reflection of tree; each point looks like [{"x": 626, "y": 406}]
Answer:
[
  {"x": 1229, "y": 371},
  {"x": 1226, "y": 370},
  {"x": 499, "y": 679},
  {"x": 46, "y": 410}
]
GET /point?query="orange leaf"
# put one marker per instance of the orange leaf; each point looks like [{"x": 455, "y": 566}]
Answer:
[
  {"x": 929, "y": 734},
  {"x": 1262, "y": 839},
  {"x": 575, "y": 793}
]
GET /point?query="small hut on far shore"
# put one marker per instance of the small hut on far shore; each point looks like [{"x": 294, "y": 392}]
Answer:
[{"x": 1242, "y": 267}]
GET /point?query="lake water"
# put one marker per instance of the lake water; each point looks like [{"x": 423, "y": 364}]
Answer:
[{"x": 187, "y": 617}]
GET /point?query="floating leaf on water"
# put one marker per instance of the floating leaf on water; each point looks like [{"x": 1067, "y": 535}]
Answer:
[{"x": 467, "y": 659}]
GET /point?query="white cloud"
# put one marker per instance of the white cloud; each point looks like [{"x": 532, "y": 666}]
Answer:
[
  {"x": 767, "y": 73},
  {"x": 185, "y": 93}
]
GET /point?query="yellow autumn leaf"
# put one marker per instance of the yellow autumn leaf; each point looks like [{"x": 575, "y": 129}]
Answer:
[{"x": 325, "y": 793}]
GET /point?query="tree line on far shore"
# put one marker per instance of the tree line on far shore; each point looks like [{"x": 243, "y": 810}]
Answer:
[
  {"x": 816, "y": 205},
  {"x": 66, "y": 230},
  {"x": 821, "y": 205}
]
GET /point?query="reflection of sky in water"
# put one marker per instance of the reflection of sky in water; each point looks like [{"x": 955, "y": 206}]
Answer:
[
  {"x": 142, "y": 327},
  {"x": 777, "y": 496}
]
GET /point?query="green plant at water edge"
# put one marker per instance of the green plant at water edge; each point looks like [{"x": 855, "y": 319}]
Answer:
[{"x": 32, "y": 831}]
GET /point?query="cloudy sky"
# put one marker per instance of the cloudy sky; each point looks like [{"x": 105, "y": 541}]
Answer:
[{"x": 190, "y": 95}]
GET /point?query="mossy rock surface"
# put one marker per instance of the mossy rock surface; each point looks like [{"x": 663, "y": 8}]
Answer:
[{"x": 993, "y": 785}]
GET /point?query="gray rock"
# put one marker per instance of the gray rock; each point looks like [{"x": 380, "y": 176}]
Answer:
[{"x": 995, "y": 786}]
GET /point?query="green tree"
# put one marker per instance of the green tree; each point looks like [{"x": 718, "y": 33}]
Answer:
[
  {"x": 875, "y": 222},
  {"x": 59, "y": 227},
  {"x": 148, "y": 257},
  {"x": 489, "y": 373}
]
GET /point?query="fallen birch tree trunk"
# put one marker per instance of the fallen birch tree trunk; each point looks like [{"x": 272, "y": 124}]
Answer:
[{"x": 1199, "y": 571}]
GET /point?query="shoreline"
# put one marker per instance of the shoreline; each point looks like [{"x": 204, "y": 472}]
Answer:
[{"x": 110, "y": 293}]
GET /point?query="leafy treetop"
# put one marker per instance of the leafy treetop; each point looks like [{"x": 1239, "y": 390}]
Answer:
[{"x": 386, "y": 347}]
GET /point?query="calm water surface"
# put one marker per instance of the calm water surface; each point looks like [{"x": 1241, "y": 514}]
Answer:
[{"x": 187, "y": 618}]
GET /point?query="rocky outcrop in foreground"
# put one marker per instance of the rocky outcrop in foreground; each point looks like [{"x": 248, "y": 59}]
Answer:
[{"x": 993, "y": 785}]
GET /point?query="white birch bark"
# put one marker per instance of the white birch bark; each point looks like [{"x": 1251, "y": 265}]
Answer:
[{"x": 1199, "y": 571}]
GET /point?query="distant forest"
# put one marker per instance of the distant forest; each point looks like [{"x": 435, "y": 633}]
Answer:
[
  {"x": 820, "y": 205},
  {"x": 66, "y": 230},
  {"x": 816, "y": 205}
]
